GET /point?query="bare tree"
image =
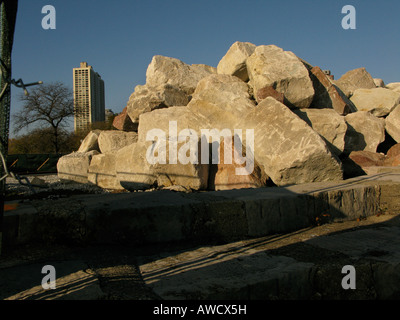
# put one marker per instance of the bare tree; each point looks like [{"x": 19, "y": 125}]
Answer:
[{"x": 48, "y": 105}]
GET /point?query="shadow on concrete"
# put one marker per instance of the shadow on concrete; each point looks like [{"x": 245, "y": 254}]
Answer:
[
  {"x": 24, "y": 282},
  {"x": 283, "y": 266},
  {"x": 236, "y": 229}
]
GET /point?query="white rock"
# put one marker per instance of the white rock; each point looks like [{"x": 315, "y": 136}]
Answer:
[
  {"x": 365, "y": 132},
  {"x": 395, "y": 86},
  {"x": 379, "y": 83},
  {"x": 328, "y": 124},
  {"x": 90, "y": 142},
  {"x": 378, "y": 101},
  {"x": 222, "y": 100},
  {"x": 75, "y": 166},
  {"x": 164, "y": 70},
  {"x": 234, "y": 61},
  {"x": 113, "y": 140},
  {"x": 102, "y": 172},
  {"x": 290, "y": 151},
  {"x": 132, "y": 169},
  {"x": 355, "y": 79},
  {"x": 393, "y": 124},
  {"x": 147, "y": 98},
  {"x": 271, "y": 66}
]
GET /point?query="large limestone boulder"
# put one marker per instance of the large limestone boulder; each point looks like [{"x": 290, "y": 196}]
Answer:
[
  {"x": 165, "y": 133},
  {"x": 165, "y": 70},
  {"x": 145, "y": 164},
  {"x": 132, "y": 169},
  {"x": 222, "y": 100},
  {"x": 146, "y": 98},
  {"x": 179, "y": 163},
  {"x": 393, "y": 124},
  {"x": 102, "y": 172},
  {"x": 113, "y": 140},
  {"x": 75, "y": 166},
  {"x": 200, "y": 68},
  {"x": 90, "y": 142},
  {"x": 290, "y": 151},
  {"x": 365, "y": 132},
  {"x": 327, "y": 95},
  {"x": 234, "y": 61},
  {"x": 394, "y": 86},
  {"x": 173, "y": 133},
  {"x": 378, "y": 101},
  {"x": 331, "y": 126},
  {"x": 355, "y": 79},
  {"x": 272, "y": 66},
  {"x": 170, "y": 121}
]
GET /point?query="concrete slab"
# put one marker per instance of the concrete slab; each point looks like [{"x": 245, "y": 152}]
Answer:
[
  {"x": 305, "y": 264},
  {"x": 74, "y": 281},
  {"x": 302, "y": 265},
  {"x": 167, "y": 216},
  {"x": 226, "y": 272},
  {"x": 381, "y": 244}
]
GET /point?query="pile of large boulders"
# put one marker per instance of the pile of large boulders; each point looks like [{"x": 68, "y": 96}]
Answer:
[{"x": 282, "y": 120}]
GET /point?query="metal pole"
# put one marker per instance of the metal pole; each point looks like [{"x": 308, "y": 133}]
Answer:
[{"x": 8, "y": 17}]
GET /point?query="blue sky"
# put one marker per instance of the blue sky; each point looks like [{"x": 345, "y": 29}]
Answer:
[{"x": 119, "y": 38}]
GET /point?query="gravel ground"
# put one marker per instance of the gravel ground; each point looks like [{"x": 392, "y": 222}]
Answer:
[{"x": 48, "y": 184}]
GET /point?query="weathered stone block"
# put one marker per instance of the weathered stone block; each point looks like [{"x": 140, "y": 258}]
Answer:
[
  {"x": 124, "y": 123},
  {"x": 378, "y": 101},
  {"x": 113, "y": 140},
  {"x": 328, "y": 124},
  {"x": 90, "y": 142},
  {"x": 229, "y": 173},
  {"x": 269, "y": 91},
  {"x": 147, "y": 98},
  {"x": 392, "y": 122},
  {"x": 222, "y": 100},
  {"x": 327, "y": 95},
  {"x": 290, "y": 151},
  {"x": 355, "y": 79},
  {"x": 75, "y": 166},
  {"x": 234, "y": 61},
  {"x": 132, "y": 169},
  {"x": 365, "y": 132},
  {"x": 272, "y": 66},
  {"x": 164, "y": 70},
  {"x": 102, "y": 172}
]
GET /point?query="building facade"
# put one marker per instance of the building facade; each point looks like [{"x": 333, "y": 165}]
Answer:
[{"x": 89, "y": 101}]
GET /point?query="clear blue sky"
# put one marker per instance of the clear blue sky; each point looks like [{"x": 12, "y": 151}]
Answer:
[{"x": 119, "y": 38}]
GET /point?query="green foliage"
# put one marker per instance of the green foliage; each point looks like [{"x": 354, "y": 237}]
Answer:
[{"x": 42, "y": 141}]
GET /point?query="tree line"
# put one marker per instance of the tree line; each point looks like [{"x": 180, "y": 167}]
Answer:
[{"x": 45, "y": 113}]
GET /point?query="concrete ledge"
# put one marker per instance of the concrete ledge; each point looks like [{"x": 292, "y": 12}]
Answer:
[{"x": 165, "y": 216}]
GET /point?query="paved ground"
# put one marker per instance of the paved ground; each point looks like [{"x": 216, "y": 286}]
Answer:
[
  {"x": 306, "y": 264},
  {"x": 302, "y": 265}
]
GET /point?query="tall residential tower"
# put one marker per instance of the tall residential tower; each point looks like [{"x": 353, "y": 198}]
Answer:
[{"x": 89, "y": 102}]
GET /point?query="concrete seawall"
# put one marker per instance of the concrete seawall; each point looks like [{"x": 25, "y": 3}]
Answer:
[{"x": 222, "y": 216}]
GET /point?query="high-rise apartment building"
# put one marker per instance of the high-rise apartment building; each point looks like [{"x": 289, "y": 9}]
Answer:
[{"x": 89, "y": 102}]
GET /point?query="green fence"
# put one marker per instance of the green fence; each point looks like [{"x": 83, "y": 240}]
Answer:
[{"x": 33, "y": 163}]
